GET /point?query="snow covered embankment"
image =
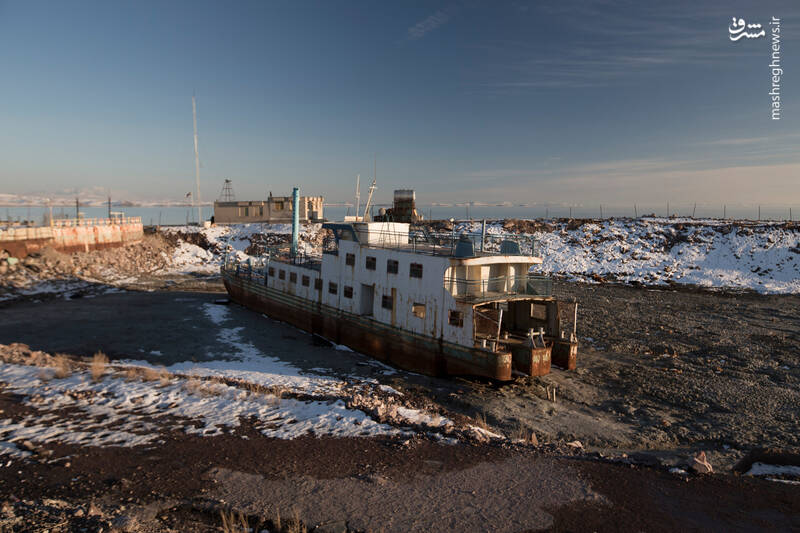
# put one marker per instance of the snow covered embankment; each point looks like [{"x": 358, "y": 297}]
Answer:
[
  {"x": 764, "y": 257},
  {"x": 202, "y": 250}
]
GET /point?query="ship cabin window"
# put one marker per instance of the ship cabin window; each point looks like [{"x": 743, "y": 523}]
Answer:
[
  {"x": 348, "y": 292},
  {"x": 392, "y": 266},
  {"x": 539, "y": 311},
  {"x": 350, "y": 260},
  {"x": 418, "y": 310},
  {"x": 370, "y": 263},
  {"x": 292, "y": 277},
  {"x": 333, "y": 288},
  {"x": 456, "y": 319},
  {"x": 318, "y": 284},
  {"x": 386, "y": 301},
  {"x": 281, "y": 274},
  {"x": 272, "y": 272},
  {"x": 415, "y": 270},
  {"x": 306, "y": 281}
]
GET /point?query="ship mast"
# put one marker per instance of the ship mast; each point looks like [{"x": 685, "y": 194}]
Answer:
[
  {"x": 196, "y": 197},
  {"x": 369, "y": 199},
  {"x": 371, "y": 190},
  {"x": 358, "y": 195}
]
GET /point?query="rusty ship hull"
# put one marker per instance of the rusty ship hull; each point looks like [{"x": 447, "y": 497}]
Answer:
[{"x": 404, "y": 349}]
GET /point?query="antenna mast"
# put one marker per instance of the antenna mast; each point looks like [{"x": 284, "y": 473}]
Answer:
[
  {"x": 358, "y": 195},
  {"x": 196, "y": 197},
  {"x": 369, "y": 199}
]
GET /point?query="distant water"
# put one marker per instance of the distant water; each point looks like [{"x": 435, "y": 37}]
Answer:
[{"x": 182, "y": 215}]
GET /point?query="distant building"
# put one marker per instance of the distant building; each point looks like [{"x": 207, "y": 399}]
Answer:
[
  {"x": 403, "y": 210},
  {"x": 275, "y": 209}
]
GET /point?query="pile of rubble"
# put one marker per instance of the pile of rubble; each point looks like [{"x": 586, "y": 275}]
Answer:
[{"x": 110, "y": 266}]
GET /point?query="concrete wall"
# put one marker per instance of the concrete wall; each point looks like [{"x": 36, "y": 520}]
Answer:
[
  {"x": 276, "y": 209},
  {"x": 72, "y": 235}
]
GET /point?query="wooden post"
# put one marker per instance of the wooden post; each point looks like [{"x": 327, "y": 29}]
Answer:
[
  {"x": 575, "y": 320},
  {"x": 499, "y": 324}
]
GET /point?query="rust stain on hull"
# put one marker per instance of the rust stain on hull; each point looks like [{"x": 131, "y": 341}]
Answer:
[
  {"x": 565, "y": 354},
  {"x": 532, "y": 361},
  {"x": 427, "y": 356}
]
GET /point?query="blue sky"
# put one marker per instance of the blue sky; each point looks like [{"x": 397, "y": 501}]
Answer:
[{"x": 486, "y": 101}]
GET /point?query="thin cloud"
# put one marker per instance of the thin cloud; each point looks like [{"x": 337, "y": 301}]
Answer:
[
  {"x": 738, "y": 142},
  {"x": 605, "y": 47},
  {"x": 638, "y": 181},
  {"x": 425, "y": 26}
]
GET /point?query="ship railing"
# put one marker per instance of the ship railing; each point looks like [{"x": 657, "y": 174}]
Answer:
[
  {"x": 257, "y": 268},
  {"x": 464, "y": 244},
  {"x": 499, "y": 287},
  {"x": 253, "y": 268}
]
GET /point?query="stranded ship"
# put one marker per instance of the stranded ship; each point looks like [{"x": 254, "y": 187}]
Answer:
[{"x": 440, "y": 304}]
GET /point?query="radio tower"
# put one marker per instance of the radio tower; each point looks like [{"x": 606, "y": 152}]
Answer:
[{"x": 227, "y": 192}]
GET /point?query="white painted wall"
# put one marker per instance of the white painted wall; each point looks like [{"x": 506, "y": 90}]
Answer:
[{"x": 430, "y": 290}]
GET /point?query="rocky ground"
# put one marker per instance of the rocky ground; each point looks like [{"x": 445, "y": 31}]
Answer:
[
  {"x": 339, "y": 485},
  {"x": 664, "y": 373},
  {"x": 51, "y": 273}
]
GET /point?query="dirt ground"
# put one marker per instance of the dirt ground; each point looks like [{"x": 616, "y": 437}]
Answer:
[
  {"x": 371, "y": 484},
  {"x": 662, "y": 374},
  {"x": 664, "y": 371},
  {"x": 660, "y": 371}
]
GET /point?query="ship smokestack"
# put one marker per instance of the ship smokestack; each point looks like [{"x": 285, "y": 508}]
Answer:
[{"x": 295, "y": 219}]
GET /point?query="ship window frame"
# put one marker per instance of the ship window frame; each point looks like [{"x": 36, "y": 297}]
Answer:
[
  {"x": 333, "y": 287},
  {"x": 538, "y": 311},
  {"x": 350, "y": 259},
  {"x": 281, "y": 274},
  {"x": 317, "y": 284},
  {"x": 415, "y": 270},
  {"x": 292, "y": 277},
  {"x": 418, "y": 310},
  {"x": 392, "y": 266},
  {"x": 456, "y": 318},
  {"x": 348, "y": 291},
  {"x": 371, "y": 263},
  {"x": 387, "y": 298},
  {"x": 305, "y": 281}
]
